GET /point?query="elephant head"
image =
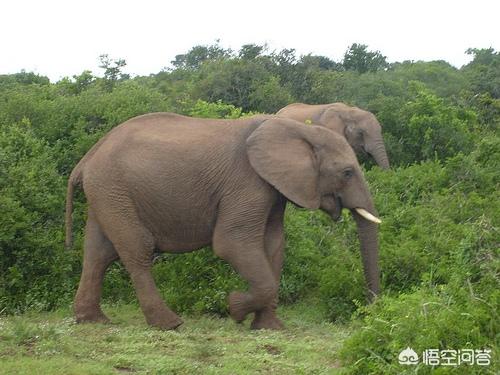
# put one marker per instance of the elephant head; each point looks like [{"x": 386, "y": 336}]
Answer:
[
  {"x": 360, "y": 128},
  {"x": 316, "y": 168}
]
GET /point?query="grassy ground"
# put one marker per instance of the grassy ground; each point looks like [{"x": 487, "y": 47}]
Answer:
[{"x": 51, "y": 343}]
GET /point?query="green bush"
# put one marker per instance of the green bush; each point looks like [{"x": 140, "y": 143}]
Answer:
[
  {"x": 427, "y": 318},
  {"x": 33, "y": 262},
  {"x": 439, "y": 260},
  {"x": 425, "y": 127},
  {"x": 196, "y": 282},
  {"x": 214, "y": 110},
  {"x": 309, "y": 237}
]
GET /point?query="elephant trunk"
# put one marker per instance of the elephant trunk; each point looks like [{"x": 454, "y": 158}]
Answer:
[
  {"x": 379, "y": 154},
  {"x": 368, "y": 238}
]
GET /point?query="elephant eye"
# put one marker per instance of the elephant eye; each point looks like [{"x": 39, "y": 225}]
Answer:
[{"x": 348, "y": 173}]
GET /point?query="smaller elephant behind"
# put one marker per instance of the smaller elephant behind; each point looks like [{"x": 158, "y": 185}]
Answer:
[{"x": 359, "y": 127}]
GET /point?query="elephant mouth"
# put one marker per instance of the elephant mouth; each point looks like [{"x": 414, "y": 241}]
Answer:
[
  {"x": 335, "y": 215},
  {"x": 360, "y": 211}
]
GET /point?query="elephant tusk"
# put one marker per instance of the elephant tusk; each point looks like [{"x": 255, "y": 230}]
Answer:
[{"x": 367, "y": 215}]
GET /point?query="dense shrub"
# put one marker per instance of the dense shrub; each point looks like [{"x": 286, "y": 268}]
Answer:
[
  {"x": 427, "y": 318},
  {"x": 34, "y": 266},
  {"x": 214, "y": 110},
  {"x": 439, "y": 260},
  {"x": 424, "y": 126}
]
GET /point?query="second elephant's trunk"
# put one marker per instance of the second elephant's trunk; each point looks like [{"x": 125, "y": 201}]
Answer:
[{"x": 380, "y": 155}]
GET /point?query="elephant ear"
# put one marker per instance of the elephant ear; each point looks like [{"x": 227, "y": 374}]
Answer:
[
  {"x": 281, "y": 153},
  {"x": 350, "y": 131},
  {"x": 340, "y": 119},
  {"x": 333, "y": 120}
]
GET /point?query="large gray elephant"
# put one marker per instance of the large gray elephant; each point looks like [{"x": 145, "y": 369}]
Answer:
[
  {"x": 360, "y": 128},
  {"x": 165, "y": 182}
]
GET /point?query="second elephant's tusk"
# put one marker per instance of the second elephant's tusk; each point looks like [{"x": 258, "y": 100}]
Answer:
[{"x": 367, "y": 215}]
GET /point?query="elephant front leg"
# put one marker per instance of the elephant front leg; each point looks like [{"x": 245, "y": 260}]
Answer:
[
  {"x": 254, "y": 267},
  {"x": 266, "y": 318},
  {"x": 248, "y": 258},
  {"x": 274, "y": 245}
]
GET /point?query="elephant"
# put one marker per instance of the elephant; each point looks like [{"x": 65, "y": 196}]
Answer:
[
  {"x": 170, "y": 183},
  {"x": 360, "y": 128}
]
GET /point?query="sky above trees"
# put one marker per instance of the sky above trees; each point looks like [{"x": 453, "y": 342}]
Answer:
[{"x": 61, "y": 38}]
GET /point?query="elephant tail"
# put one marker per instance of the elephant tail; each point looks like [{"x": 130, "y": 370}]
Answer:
[{"x": 75, "y": 179}]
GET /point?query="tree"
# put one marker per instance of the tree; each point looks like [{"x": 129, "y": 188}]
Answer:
[
  {"x": 285, "y": 57},
  {"x": 24, "y": 78},
  {"x": 231, "y": 81},
  {"x": 358, "y": 58},
  {"x": 483, "y": 56},
  {"x": 319, "y": 62},
  {"x": 199, "y": 54},
  {"x": 251, "y": 51},
  {"x": 483, "y": 72},
  {"x": 269, "y": 96},
  {"x": 428, "y": 127},
  {"x": 79, "y": 83},
  {"x": 112, "y": 70}
]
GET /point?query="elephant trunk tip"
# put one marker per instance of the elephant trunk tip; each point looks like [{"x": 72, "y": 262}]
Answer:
[
  {"x": 383, "y": 162},
  {"x": 379, "y": 154},
  {"x": 373, "y": 294}
]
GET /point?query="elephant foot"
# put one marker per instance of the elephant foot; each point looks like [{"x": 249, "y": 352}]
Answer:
[
  {"x": 266, "y": 321},
  {"x": 91, "y": 316},
  {"x": 167, "y": 322},
  {"x": 237, "y": 306}
]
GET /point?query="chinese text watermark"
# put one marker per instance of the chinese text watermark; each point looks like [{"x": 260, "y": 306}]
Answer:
[{"x": 446, "y": 357}]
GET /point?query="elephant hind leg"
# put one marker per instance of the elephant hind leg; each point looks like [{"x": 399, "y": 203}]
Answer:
[
  {"x": 99, "y": 253},
  {"x": 156, "y": 312},
  {"x": 135, "y": 246}
]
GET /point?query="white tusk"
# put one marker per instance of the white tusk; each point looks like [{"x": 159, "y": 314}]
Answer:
[{"x": 367, "y": 215}]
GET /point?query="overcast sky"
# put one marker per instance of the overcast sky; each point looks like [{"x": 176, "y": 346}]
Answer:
[{"x": 63, "y": 38}]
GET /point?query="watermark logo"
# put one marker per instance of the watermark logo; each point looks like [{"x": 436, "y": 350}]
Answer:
[
  {"x": 446, "y": 357},
  {"x": 408, "y": 357}
]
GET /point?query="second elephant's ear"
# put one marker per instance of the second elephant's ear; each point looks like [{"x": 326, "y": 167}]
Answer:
[
  {"x": 339, "y": 118},
  {"x": 281, "y": 153}
]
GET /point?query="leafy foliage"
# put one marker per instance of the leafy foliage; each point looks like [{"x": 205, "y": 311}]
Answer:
[
  {"x": 484, "y": 71},
  {"x": 33, "y": 263},
  {"x": 197, "y": 55},
  {"x": 426, "y": 128},
  {"x": 358, "y": 58},
  {"x": 112, "y": 71},
  {"x": 205, "y": 109}
]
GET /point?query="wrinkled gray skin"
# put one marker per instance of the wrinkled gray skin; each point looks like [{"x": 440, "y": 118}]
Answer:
[
  {"x": 360, "y": 128},
  {"x": 165, "y": 182}
]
